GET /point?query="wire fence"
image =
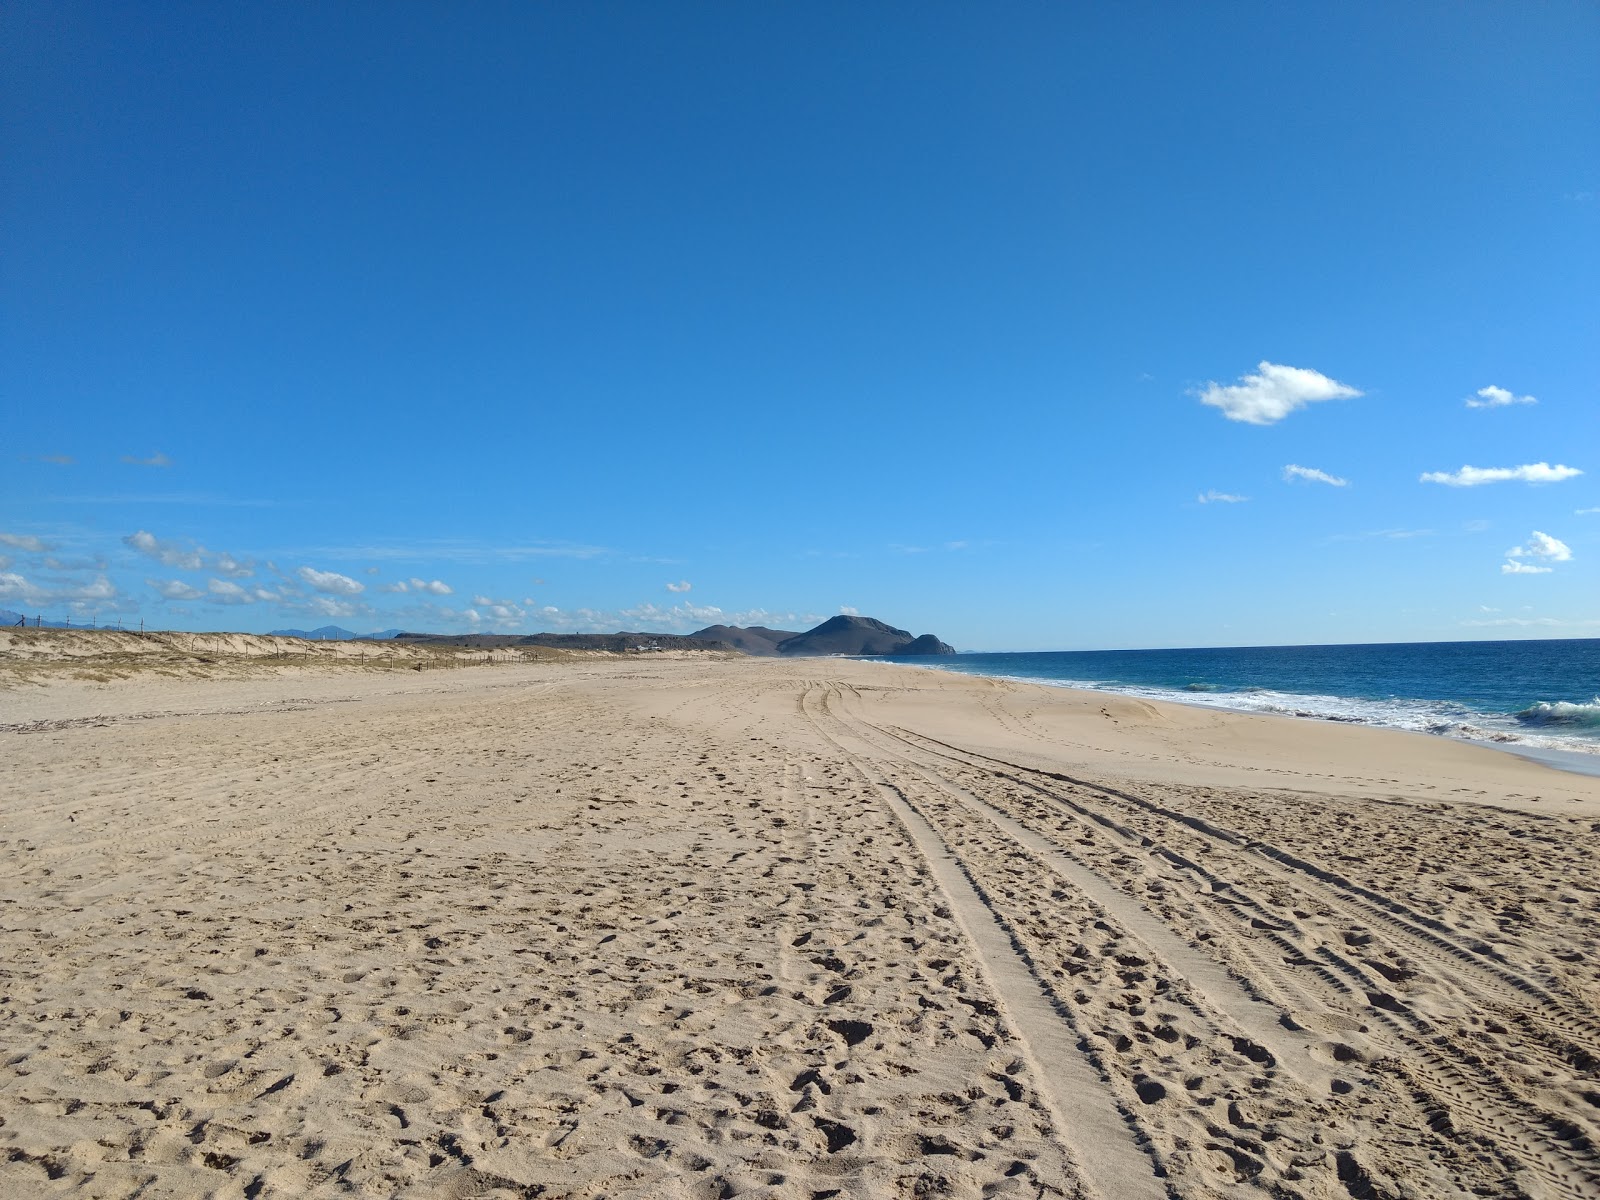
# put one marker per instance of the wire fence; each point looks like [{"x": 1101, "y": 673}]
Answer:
[{"x": 115, "y": 625}]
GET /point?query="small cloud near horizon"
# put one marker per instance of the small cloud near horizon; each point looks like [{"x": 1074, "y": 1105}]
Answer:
[
  {"x": 1271, "y": 394},
  {"x": 1496, "y": 397},
  {"x": 1312, "y": 475},
  {"x": 1542, "y": 545},
  {"x": 1212, "y": 496},
  {"x": 1539, "y": 472},
  {"x": 157, "y": 459},
  {"x": 683, "y": 585},
  {"x": 847, "y": 610}
]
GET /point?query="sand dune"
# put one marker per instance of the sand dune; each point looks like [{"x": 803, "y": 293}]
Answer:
[{"x": 772, "y": 928}]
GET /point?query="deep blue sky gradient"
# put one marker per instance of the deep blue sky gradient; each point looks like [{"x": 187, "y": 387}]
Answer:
[{"x": 899, "y": 307}]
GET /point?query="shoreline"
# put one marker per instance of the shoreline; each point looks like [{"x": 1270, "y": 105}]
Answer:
[{"x": 1570, "y": 758}]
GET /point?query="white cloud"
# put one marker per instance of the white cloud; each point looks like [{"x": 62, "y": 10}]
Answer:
[
  {"x": 1212, "y": 496},
  {"x": 1273, "y": 393},
  {"x": 1542, "y": 545},
  {"x": 394, "y": 588},
  {"x": 1522, "y": 568},
  {"x": 1312, "y": 475},
  {"x": 331, "y": 582},
  {"x": 157, "y": 459},
  {"x": 434, "y": 587},
  {"x": 374, "y": 570},
  {"x": 1496, "y": 397},
  {"x": 168, "y": 554},
  {"x": 1540, "y": 472},
  {"x": 1584, "y": 512},
  {"x": 224, "y": 592},
  {"x": 79, "y": 596},
  {"x": 24, "y": 541},
  {"x": 327, "y": 606},
  {"x": 489, "y": 610},
  {"x": 847, "y": 610},
  {"x": 174, "y": 589},
  {"x": 682, "y": 585}
]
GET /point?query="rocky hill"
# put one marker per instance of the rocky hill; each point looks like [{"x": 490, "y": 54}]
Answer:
[{"x": 849, "y": 635}]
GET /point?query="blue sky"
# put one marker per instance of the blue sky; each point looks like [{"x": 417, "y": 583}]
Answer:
[{"x": 645, "y": 316}]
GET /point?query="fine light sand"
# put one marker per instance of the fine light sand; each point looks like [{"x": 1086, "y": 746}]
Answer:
[{"x": 706, "y": 928}]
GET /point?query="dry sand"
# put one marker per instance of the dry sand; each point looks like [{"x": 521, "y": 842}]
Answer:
[{"x": 637, "y": 927}]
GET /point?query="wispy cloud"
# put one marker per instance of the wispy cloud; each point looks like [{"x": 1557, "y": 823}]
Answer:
[
  {"x": 1386, "y": 534},
  {"x": 330, "y": 582},
  {"x": 1540, "y": 472},
  {"x": 56, "y": 563},
  {"x": 454, "y": 550},
  {"x": 27, "y": 542},
  {"x": 157, "y": 459},
  {"x": 1584, "y": 512},
  {"x": 1212, "y": 496},
  {"x": 194, "y": 499},
  {"x": 1312, "y": 475},
  {"x": 683, "y": 585},
  {"x": 1513, "y": 567},
  {"x": 58, "y": 460},
  {"x": 1530, "y": 622},
  {"x": 1496, "y": 397},
  {"x": 1272, "y": 393},
  {"x": 184, "y": 556}
]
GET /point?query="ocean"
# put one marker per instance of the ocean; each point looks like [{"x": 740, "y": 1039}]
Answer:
[{"x": 1535, "y": 697}]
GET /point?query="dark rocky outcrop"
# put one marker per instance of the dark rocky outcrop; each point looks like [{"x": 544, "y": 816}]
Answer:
[
  {"x": 854, "y": 635},
  {"x": 927, "y": 644}
]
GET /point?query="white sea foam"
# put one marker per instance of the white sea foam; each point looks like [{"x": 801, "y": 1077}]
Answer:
[{"x": 1439, "y": 717}]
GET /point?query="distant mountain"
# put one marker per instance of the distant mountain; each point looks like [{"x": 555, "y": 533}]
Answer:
[
  {"x": 752, "y": 639},
  {"x": 336, "y": 633},
  {"x": 837, "y": 635},
  {"x": 328, "y": 633}
]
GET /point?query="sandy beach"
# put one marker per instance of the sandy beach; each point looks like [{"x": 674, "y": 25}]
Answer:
[{"x": 712, "y": 927}]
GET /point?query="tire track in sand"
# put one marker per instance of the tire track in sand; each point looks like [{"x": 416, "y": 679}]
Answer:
[{"x": 1087, "y": 1111}]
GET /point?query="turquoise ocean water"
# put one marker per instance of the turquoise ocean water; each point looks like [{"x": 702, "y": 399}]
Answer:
[{"x": 1533, "y": 696}]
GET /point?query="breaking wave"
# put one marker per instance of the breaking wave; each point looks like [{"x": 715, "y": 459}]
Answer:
[{"x": 1562, "y": 713}]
